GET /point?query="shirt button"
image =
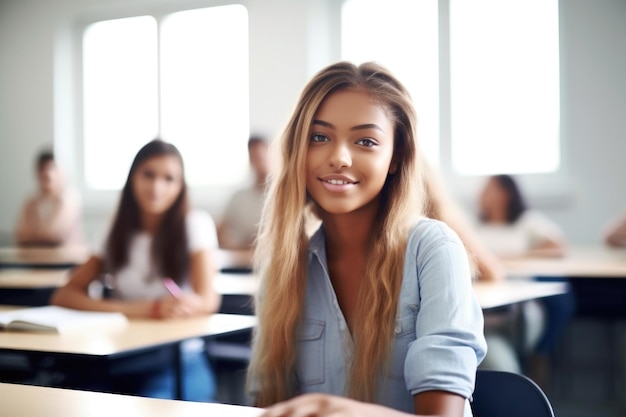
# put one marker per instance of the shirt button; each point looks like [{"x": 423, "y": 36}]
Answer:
[{"x": 398, "y": 328}]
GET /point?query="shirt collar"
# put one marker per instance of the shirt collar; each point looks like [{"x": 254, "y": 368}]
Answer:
[{"x": 317, "y": 244}]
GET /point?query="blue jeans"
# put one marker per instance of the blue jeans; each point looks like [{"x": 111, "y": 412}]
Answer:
[
  {"x": 559, "y": 311},
  {"x": 198, "y": 381},
  {"x": 154, "y": 375}
]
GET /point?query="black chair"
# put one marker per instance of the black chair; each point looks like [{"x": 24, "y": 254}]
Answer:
[{"x": 505, "y": 394}]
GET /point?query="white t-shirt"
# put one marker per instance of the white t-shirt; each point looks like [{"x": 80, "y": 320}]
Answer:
[
  {"x": 511, "y": 240},
  {"x": 138, "y": 280},
  {"x": 47, "y": 207}
]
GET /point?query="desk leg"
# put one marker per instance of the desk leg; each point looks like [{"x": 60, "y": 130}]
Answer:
[{"x": 178, "y": 371}]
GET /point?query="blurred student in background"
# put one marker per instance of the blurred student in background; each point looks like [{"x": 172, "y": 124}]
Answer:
[
  {"x": 238, "y": 229},
  {"x": 51, "y": 217},
  {"x": 155, "y": 236},
  {"x": 510, "y": 229},
  {"x": 615, "y": 234}
]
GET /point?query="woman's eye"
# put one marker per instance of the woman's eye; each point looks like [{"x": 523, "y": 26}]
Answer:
[
  {"x": 319, "y": 138},
  {"x": 366, "y": 142}
]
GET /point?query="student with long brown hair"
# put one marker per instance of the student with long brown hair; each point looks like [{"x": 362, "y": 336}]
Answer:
[
  {"x": 375, "y": 313},
  {"x": 155, "y": 236},
  {"x": 512, "y": 229}
]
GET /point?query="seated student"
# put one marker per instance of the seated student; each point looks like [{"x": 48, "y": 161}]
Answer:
[
  {"x": 510, "y": 229},
  {"x": 155, "y": 235},
  {"x": 615, "y": 235},
  {"x": 375, "y": 313},
  {"x": 52, "y": 216},
  {"x": 238, "y": 229}
]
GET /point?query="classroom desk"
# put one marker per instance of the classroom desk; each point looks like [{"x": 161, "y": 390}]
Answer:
[
  {"x": 70, "y": 256},
  {"x": 28, "y": 286},
  {"x": 597, "y": 276},
  {"x": 108, "y": 350},
  {"x": 59, "y": 257},
  {"x": 33, "y": 401},
  {"x": 501, "y": 294},
  {"x": 33, "y": 278},
  {"x": 54, "y": 278},
  {"x": 33, "y": 287},
  {"x": 490, "y": 295},
  {"x": 578, "y": 262}
]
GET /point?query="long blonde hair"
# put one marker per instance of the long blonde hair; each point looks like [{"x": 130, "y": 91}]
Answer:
[{"x": 281, "y": 254}]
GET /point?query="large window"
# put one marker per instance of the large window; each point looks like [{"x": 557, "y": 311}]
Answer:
[
  {"x": 504, "y": 69},
  {"x": 403, "y": 36},
  {"x": 484, "y": 75},
  {"x": 182, "y": 77}
]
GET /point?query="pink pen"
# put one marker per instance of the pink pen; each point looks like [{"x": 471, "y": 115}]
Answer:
[{"x": 172, "y": 287}]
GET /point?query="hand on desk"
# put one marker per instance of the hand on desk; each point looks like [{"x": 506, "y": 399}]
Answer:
[{"x": 185, "y": 305}]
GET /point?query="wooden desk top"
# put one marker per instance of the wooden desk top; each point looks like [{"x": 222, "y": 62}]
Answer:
[
  {"x": 492, "y": 295},
  {"x": 138, "y": 334},
  {"x": 40, "y": 257},
  {"x": 593, "y": 262},
  {"x": 33, "y": 401},
  {"x": 28, "y": 278},
  {"x": 74, "y": 255}
]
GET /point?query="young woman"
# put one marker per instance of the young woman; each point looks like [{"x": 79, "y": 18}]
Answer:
[
  {"x": 154, "y": 236},
  {"x": 377, "y": 306},
  {"x": 511, "y": 229}
]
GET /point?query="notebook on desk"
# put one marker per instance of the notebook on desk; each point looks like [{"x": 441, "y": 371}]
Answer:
[{"x": 59, "y": 319}]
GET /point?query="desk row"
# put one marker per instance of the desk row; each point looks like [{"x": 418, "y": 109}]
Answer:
[
  {"x": 490, "y": 295},
  {"x": 577, "y": 262}
]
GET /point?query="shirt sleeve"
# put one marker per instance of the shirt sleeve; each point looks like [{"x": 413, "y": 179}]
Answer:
[
  {"x": 201, "y": 231},
  {"x": 450, "y": 342}
]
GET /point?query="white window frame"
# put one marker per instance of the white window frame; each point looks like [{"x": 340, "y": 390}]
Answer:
[
  {"x": 69, "y": 132},
  {"x": 543, "y": 190}
]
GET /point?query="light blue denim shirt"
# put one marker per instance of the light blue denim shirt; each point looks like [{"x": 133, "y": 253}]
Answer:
[{"x": 439, "y": 338}]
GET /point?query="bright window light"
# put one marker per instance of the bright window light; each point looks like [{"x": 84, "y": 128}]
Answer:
[
  {"x": 204, "y": 92},
  {"x": 184, "y": 79},
  {"x": 403, "y": 36},
  {"x": 504, "y": 86},
  {"x": 120, "y": 106}
]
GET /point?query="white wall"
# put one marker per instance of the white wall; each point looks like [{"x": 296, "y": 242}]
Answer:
[
  {"x": 289, "y": 40},
  {"x": 593, "y": 60}
]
